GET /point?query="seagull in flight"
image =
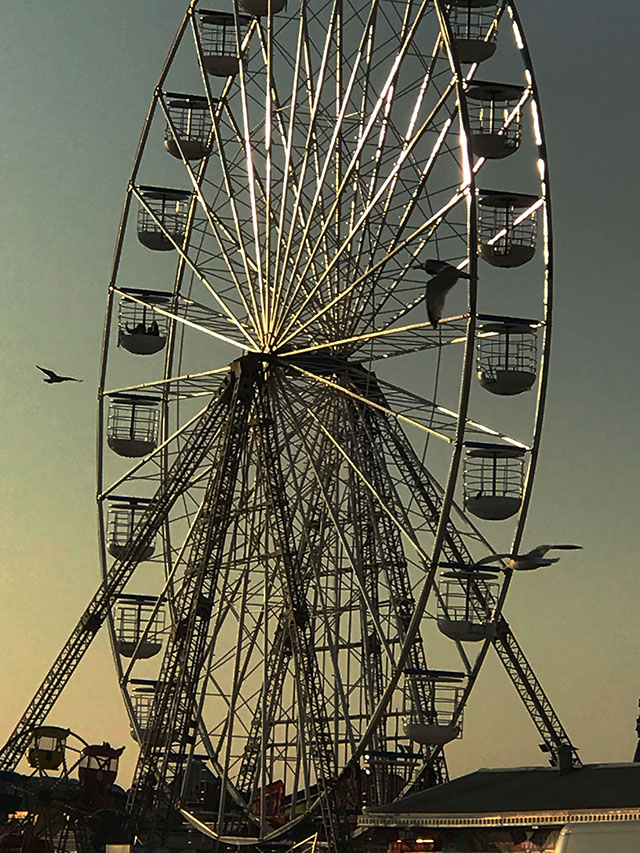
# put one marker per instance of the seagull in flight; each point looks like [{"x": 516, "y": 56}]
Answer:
[
  {"x": 52, "y": 377},
  {"x": 533, "y": 559},
  {"x": 443, "y": 278}
]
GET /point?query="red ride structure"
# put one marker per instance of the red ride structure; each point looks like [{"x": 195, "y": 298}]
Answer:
[{"x": 98, "y": 766}]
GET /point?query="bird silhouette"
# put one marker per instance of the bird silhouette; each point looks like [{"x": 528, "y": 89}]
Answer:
[
  {"x": 533, "y": 559},
  {"x": 443, "y": 278},
  {"x": 53, "y": 378}
]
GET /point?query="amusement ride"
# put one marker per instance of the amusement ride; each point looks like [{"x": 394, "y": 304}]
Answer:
[{"x": 311, "y": 494}]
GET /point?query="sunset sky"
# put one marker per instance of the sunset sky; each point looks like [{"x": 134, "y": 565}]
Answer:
[{"x": 77, "y": 78}]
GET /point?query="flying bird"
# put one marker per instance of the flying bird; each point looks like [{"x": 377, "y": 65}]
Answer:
[
  {"x": 443, "y": 278},
  {"x": 52, "y": 377},
  {"x": 533, "y": 559}
]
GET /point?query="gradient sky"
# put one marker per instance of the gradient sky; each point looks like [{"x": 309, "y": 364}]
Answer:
[{"x": 76, "y": 81}]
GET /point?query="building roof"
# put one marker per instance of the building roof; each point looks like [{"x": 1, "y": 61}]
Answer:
[{"x": 530, "y": 789}]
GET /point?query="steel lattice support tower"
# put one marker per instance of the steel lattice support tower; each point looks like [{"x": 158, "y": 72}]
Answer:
[
  {"x": 176, "y": 482},
  {"x": 173, "y": 725}
]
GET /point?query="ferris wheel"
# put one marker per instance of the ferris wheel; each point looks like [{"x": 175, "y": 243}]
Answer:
[{"x": 298, "y": 470}]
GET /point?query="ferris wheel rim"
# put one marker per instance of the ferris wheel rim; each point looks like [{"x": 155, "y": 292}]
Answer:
[{"x": 470, "y": 332}]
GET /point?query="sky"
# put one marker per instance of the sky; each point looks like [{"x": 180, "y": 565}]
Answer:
[{"x": 77, "y": 78}]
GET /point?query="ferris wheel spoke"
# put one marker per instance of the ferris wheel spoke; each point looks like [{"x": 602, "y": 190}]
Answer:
[
  {"x": 400, "y": 161},
  {"x": 229, "y": 243},
  {"x": 416, "y": 190},
  {"x": 197, "y": 381},
  {"x": 321, "y": 175},
  {"x": 399, "y": 340},
  {"x": 314, "y": 84},
  {"x": 260, "y": 186},
  {"x": 183, "y": 253},
  {"x": 268, "y": 166},
  {"x": 374, "y": 404},
  {"x": 315, "y": 466},
  {"x": 401, "y": 139},
  {"x": 288, "y": 176},
  {"x": 399, "y": 399},
  {"x": 355, "y": 299},
  {"x": 252, "y": 185},
  {"x": 212, "y": 319},
  {"x": 421, "y": 231},
  {"x": 415, "y": 195},
  {"x": 288, "y": 136},
  {"x": 420, "y": 408},
  {"x": 240, "y": 240}
]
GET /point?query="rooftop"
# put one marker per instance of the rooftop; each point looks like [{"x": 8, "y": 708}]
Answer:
[{"x": 522, "y": 790}]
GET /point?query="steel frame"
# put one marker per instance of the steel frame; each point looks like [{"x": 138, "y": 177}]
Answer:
[{"x": 334, "y": 163}]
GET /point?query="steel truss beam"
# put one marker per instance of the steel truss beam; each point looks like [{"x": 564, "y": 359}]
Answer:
[
  {"x": 555, "y": 737},
  {"x": 387, "y": 555},
  {"x": 172, "y": 730},
  {"x": 299, "y": 624},
  {"x": 281, "y": 650},
  {"x": 177, "y": 481}
]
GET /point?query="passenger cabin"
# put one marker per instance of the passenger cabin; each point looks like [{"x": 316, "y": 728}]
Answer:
[
  {"x": 138, "y": 626},
  {"x": 493, "y": 480},
  {"x": 506, "y": 355},
  {"x": 123, "y": 518},
  {"x": 219, "y": 42},
  {"x": 431, "y": 698},
  {"x": 162, "y": 217},
  {"x": 47, "y": 748},
  {"x": 188, "y": 132},
  {"x": 142, "y": 695},
  {"x": 466, "y": 605},
  {"x": 141, "y": 330},
  {"x": 507, "y": 227},
  {"x": 474, "y": 28},
  {"x": 98, "y": 766},
  {"x": 494, "y": 116},
  {"x": 259, "y": 8},
  {"x": 132, "y": 425}
]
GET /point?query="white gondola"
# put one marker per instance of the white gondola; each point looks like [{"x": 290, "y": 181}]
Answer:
[
  {"x": 466, "y": 605},
  {"x": 141, "y": 330},
  {"x": 434, "y": 724},
  {"x": 162, "y": 217},
  {"x": 494, "y": 117},
  {"x": 493, "y": 480},
  {"x": 132, "y": 425},
  {"x": 219, "y": 42},
  {"x": 191, "y": 134},
  {"x": 507, "y": 227},
  {"x": 473, "y": 26},
  {"x": 138, "y": 629},
  {"x": 506, "y": 355},
  {"x": 123, "y": 517},
  {"x": 142, "y": 696}
]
